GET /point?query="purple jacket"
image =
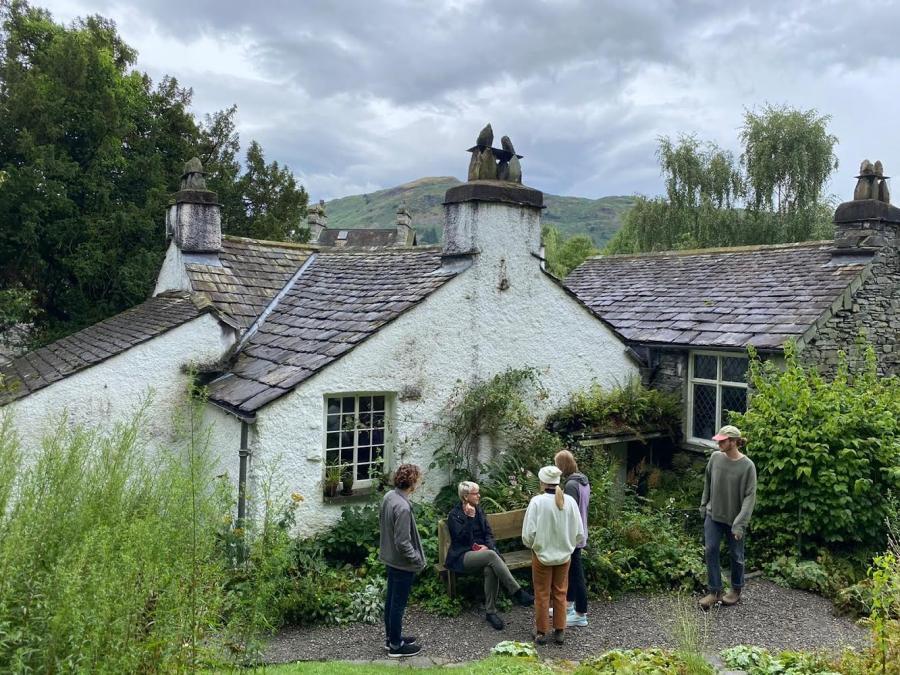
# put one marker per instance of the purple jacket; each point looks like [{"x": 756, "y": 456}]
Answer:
[{"x": 579, "y": 489}]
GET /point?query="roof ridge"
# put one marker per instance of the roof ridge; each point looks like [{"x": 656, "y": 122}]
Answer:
[
  {"x": 382, "y": 250},
  {"x": 269, "y": 242},
  {"x": 279, "y": 296},
  {"x": 717, "y": 249}
]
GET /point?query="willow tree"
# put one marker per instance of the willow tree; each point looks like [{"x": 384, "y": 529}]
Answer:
[{"x": 774, "y": 194}]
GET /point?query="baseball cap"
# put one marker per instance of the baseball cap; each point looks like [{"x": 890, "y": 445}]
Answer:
[{"x": 728, "y": 431}]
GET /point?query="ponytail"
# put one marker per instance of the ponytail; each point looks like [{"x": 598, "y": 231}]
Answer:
[
  {"x": 741, "y": 443},
  {"x": 560, "y": 498}
]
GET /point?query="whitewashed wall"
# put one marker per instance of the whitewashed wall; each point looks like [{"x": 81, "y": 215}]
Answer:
[
  {"x": 112, "y": 390},
  {"x": 466, "y": 330}
]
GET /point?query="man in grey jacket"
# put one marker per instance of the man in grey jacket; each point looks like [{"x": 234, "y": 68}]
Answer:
[{"x": 401, "y": 551}]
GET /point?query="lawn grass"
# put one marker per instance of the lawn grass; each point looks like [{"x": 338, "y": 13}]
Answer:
[{"x": 503, "y": 665}]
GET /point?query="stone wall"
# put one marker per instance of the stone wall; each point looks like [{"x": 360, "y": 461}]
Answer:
[
  {"x": 668, "y": 371},
  {"x": 870, "y": 306}
]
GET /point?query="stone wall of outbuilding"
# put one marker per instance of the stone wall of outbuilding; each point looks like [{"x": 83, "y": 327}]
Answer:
[{"x": 871, "y": 305}]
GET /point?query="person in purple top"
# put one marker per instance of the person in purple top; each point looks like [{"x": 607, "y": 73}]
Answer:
[{"x": 578, "y": 487}]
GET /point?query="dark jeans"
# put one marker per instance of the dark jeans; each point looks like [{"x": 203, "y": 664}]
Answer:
[
  {"x": 577, "y": 586},
  {"x": 714, "y": 532},
  {"x": 399, "y": 583}
]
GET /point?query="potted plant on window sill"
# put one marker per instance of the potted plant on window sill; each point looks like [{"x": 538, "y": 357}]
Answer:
[
  {"x": 347, "y": 481},
  {"x": 332, "y": 480}
]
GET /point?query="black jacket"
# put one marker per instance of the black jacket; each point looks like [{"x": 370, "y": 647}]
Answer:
[{"x": 462, "y": 535}]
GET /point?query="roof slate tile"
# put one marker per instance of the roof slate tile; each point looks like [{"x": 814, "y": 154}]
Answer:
[{"x": 726, "y": 297}]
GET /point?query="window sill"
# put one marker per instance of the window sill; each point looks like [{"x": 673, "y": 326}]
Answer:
[{"x": 359, "y": 495}]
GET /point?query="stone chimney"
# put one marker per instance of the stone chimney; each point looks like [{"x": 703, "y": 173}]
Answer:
[
  {"x": 194, "y": 220},
  {"x": 869, "y": 223},
  {"x": 404, "y": 226},
  {"x": 317, "y": 221},
  {"x": 493, "y": 214}
]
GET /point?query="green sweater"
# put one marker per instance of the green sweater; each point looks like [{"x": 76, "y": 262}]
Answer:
[{"x": 729, "y": 491}]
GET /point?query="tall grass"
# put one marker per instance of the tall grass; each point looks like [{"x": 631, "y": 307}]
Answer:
[{"x": 107, "y": 549}]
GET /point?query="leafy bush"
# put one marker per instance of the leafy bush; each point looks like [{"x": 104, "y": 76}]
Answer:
[
  {"x": 758, "y": 661},
  {"x": 514, "y": 648},
  {"x": 631, "y": 408},
  {"x": 827, "y": 455},
  {"x": 639, "y": 550},
  {"x": 639, "y": 662}
]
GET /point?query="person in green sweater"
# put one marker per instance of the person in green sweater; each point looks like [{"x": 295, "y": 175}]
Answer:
[{"x": 729, "y": 494}]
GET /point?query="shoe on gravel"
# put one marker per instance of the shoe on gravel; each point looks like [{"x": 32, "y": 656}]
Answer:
[
  {"x": 559, "y": 636},
  {"x": 540, "y": 639},
  {"x": 710, "y": 600},
  {"x": 575, "y": 620},
  {"x": 570, "y": 609},
  {"x": 405, "y": 640},
  {"x": 404, "y": 650},
  {"x": 732, "y": 597},
  {"x": 495, "y": 621}
]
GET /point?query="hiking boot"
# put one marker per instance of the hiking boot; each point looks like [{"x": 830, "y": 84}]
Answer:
[
  {"x": 405, "y": 640},
  {"x": 495, "y": 621},
  {"x": 732, "y": 597},
  {"x": 576, "y": 620},
  {"x": 540, "y": 639},
  {"x": 523, "y": 598},
  {"x": 710, "y": 600},
  {"x": 559, "y": 636},
  {"x": 404, "y": 650}
]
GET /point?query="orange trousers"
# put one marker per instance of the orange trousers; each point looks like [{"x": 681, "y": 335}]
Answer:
[{"x": 550, "y": 586}]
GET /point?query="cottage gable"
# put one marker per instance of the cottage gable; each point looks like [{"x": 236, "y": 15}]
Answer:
[{"x": 335, "y": 303}]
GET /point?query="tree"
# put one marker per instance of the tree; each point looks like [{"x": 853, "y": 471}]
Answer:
[
  {"x": 563, "y": 255},
  {"x": 773, "y": 195},
  {"x": 90, "y": 152}
]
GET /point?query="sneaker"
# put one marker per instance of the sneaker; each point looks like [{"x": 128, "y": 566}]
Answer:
[
  {"x": 710, "y": 600},
  {"x": 540, "y": 639},
  {"x": 732, "y": 597},
  {"x": 576, "y": 620},
  {"x": 404, "y": 650},
  {"x": 559, "y": 636},
  {"x": 405, "y": 640}
]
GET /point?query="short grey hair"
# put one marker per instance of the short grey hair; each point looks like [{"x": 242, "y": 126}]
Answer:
[{"x": 465, "y": 488}]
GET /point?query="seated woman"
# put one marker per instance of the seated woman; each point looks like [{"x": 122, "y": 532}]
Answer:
[{"x": 472, "y": 548}]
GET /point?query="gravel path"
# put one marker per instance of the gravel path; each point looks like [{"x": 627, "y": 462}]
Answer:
[{"x": 768, "y": 616}]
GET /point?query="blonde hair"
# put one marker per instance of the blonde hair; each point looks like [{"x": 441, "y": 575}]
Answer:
[
  {"x": 565, "y": 462},
  {"x": 559, "y": 496}
]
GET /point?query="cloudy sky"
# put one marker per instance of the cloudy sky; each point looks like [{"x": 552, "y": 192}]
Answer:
[{"x": 358, "y": 95}]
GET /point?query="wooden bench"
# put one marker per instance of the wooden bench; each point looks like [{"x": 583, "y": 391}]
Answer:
[{"x": 506, "y": 525}]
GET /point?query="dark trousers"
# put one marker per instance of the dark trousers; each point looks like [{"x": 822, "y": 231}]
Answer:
[
  {"x": 399, "y": 583},
  {"x": 577, "y": 586},
  {"x": 714, "y": 532}
]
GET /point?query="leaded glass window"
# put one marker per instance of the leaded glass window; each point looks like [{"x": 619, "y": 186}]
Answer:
[{"x": 718, "y": 387}]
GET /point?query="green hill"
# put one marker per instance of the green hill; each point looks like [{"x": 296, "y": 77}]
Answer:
[{"x": 598, "y": 218}]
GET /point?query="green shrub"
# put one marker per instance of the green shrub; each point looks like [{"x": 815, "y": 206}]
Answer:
[
  {"x": 759, "y": 661},
  {"x": 640, "y": 662},
  {"x": 638, "y": 549},
  {"x": 631, "y": 408},
  {"x": 827, "y": 455}
]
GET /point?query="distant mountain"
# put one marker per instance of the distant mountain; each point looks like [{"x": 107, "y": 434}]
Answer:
[{"x": 597, "y": 218}]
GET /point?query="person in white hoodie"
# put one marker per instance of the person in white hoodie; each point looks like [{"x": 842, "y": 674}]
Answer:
[{"x": 552, "y": 529}]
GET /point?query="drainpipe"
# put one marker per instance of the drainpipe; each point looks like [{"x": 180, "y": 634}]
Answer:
[{"x": 244, "y": 455}]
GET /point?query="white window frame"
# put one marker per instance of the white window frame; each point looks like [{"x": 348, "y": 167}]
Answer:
[
  {"x": 388, "y": 427},
  {"x": 718, "y": 383}
]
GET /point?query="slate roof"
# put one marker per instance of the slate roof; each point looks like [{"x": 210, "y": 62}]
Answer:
[
  {"x": 364, "y": 238},
  {"x": 338, "y": 301},
  {"x": 39, "y": 368},
  {"x": 729, "y": 298},
  {"x": 251, "y": 274}
]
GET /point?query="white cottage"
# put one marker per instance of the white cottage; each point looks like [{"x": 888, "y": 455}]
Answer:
[{"x": 319, "y": 355}]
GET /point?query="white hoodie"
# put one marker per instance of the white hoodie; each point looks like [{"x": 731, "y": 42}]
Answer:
[{"x": 550, "y": 532}]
